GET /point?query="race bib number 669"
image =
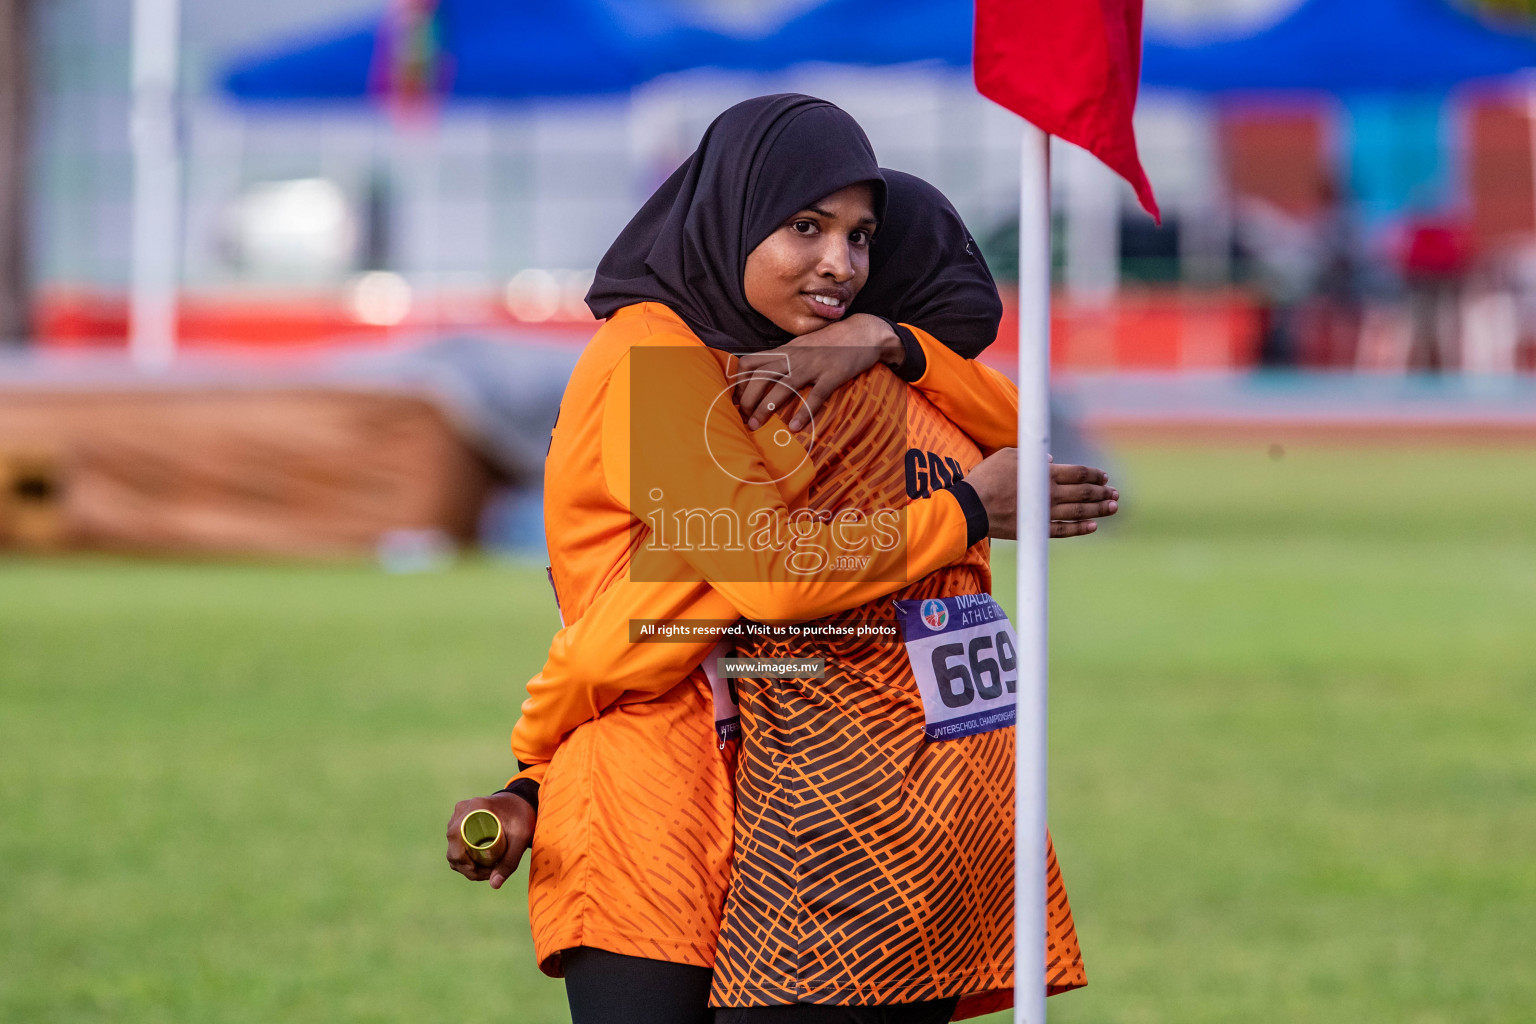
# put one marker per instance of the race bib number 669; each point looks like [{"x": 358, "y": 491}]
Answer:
[{"x": 964, "y": 653}]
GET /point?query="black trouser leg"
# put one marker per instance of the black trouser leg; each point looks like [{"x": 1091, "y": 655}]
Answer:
[{"x": 610, "y": 988}]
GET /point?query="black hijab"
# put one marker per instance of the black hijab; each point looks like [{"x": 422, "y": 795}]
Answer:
[
  {"x": 926, "y": 270},
  {"x": 759, "y": 162}
]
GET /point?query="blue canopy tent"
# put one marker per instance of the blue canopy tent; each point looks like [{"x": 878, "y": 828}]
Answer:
[
  {"x": 1335, "y": 46},
  {"x": 491, "y": 49},
  {"x": 1344, "y": 47},
  {"x": 863, "y": 32},
  {"x": 502, "y": 50},
  {"x": 499, "y": 49}
]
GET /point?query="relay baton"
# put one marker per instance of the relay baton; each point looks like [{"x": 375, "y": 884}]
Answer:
[{"x": 483, "y": 838}]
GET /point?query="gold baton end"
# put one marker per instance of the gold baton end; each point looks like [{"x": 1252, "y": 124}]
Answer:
[{"x": 483, "y": 838}]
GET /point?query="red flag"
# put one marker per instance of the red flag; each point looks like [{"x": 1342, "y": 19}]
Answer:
[{"x": 1071, "y": 67}]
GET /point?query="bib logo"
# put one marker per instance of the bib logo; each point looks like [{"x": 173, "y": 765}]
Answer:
[{"x": 935, "y": 615}]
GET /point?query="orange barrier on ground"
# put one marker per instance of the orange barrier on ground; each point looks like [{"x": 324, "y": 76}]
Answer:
[
  {"x": 1282, "y": 432},
  {"x": 75, "y": 318},
  {"x": 1144, "y": 329}
]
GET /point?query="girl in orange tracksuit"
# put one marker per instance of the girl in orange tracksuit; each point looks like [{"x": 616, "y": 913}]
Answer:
[
  {"x": 630, "y": 851},
  {"x": 592, "y": 665}
]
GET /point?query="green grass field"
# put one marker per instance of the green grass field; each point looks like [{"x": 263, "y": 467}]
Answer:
[{"x": 1293, "y": 745}]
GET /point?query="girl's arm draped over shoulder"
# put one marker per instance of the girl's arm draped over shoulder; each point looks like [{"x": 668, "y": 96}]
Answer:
[{"x": 804, "y": 373}]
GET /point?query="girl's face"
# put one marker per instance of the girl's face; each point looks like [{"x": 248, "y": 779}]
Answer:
[{"x": 804, "y": 275}]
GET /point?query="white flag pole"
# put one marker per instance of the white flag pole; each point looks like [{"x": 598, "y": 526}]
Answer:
[
  {"x": 156, "y": 184},
  {"x": 1034, "y": 527}
]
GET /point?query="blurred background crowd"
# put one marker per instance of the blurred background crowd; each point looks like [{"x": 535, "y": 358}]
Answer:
[
  {"x": 410, "y": 193},
  {"x": 1349, "y": 185}
]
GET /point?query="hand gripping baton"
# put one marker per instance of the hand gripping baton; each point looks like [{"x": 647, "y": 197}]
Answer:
[{"x": 483, "y": 838}]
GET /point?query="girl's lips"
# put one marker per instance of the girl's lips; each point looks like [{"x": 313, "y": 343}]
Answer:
[{"x": 823, "y": 310}]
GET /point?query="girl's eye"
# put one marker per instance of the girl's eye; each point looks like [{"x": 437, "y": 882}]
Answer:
[
  {"x": 804, "y": 227},
  {"x": 859, "y": 237}
]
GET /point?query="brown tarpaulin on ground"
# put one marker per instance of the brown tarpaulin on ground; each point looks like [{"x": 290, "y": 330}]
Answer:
[{"x": 315, "y": 472}]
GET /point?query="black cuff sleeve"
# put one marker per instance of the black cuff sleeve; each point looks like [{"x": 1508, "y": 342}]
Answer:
[
  {"x": 915, "y": 364},
  {"x": 976, "y": 521},
  {"x": 527, "y": 789}
]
